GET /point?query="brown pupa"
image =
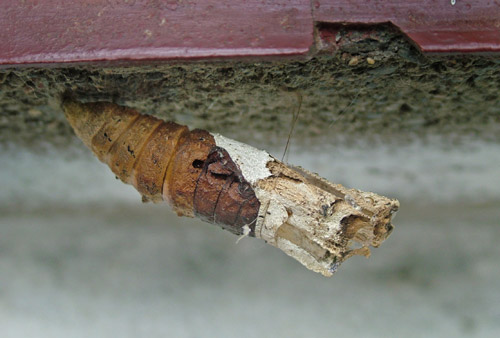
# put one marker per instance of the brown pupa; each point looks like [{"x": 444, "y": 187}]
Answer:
[{"x": 243, "y": 189}]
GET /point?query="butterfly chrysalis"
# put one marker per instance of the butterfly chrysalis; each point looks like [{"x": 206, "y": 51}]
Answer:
[{"x": 243, "y": 189}]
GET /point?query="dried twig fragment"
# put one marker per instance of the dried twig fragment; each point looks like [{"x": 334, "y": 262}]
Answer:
[{"x": 243, "y": 189}]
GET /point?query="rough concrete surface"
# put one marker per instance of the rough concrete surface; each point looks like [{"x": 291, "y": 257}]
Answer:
[{"x": 364, "y": 86}]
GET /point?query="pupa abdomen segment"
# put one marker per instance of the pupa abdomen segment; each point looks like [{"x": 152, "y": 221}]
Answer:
[
  {"x": 166, "y": 161},
  {"x": 243, "y": 189}
]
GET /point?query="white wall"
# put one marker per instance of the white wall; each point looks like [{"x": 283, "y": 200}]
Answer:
[{"x": 81, "y": 256}]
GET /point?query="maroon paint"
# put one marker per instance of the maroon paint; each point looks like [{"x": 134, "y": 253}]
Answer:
[
  {"x": 56, "y": 31},
  {"x": 434, "y": 25},
  {"x": 40, "y": 31}
]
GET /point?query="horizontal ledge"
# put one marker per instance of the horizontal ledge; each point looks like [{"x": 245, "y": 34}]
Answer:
[
  {"x": 44, "y": 32},
  {"x": 152, "y": 54}
]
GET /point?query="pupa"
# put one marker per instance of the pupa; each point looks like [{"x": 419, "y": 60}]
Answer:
[{"x": 240, "y": 188}]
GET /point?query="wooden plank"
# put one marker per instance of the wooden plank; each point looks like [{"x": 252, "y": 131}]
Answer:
[
  {"x": 52, "y": 31},
  {"x": 435, "y": 26}
]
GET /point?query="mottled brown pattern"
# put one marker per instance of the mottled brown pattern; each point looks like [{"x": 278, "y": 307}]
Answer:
[
  {"x": 180, "y": 181},
  {"x": 151, "y": 166},
  {"x": 223, "y": 196},
  {"x": 125, "y": 151}
]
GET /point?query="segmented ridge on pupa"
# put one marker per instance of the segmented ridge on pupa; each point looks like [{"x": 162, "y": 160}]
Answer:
[{"x": 164, "y": 161}]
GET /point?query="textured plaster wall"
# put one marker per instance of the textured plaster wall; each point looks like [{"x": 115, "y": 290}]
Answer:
[{"x": 369, "y": 85}]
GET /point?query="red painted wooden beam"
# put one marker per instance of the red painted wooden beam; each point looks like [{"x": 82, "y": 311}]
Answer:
[
  {"x": 54, "y": 31},
  {"x": 48, "y": 31},
  {"x": 434, "y": 25}
]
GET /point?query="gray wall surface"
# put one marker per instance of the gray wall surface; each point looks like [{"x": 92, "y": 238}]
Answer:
[{"x": 81, "y": 256}]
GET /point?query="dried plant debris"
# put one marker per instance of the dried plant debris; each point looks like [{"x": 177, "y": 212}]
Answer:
[{"x": 240, "y": 188}]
